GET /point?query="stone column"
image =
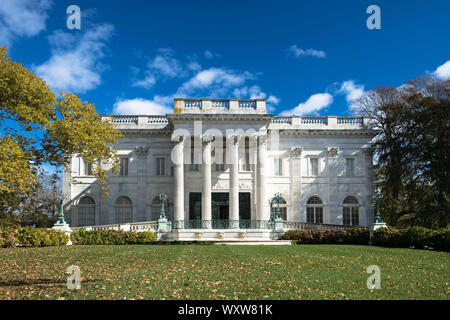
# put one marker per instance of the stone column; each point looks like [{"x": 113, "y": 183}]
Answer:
[
  {"x": 262, "y": 209},
  {"x": 178, "y": 160},
  {"x": 333, "y": 201},
  {"x": 234, "y": 183},
  {"x": 206, "y": 170},
  {"x": 296, "y": 185}
]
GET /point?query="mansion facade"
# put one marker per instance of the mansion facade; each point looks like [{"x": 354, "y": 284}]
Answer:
[{"x": 228, "y": 164}]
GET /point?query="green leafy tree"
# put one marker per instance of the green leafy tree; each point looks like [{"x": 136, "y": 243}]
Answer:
[
  {"x": 412, "y": 151},
  {"x": 39, "y": 127}
]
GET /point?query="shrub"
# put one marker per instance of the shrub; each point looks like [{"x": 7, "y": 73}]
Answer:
[
  {"x": 8, "y": 237},
  {"x": 112, "y": 237},
  {"x": 440, "y": 239},
  {"x": 355, "y": 235},
  {"x": 416, "y": 237},
  {"x": 31, "y": 237}
]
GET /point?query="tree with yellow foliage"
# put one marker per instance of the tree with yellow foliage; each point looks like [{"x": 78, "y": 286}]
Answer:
[{"x": 37, "y": 127}]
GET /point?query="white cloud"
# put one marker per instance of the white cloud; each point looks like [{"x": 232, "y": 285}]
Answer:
[
  {"x": 74, "y": 64},
  {"x": 22, "y": 18},
  {"x": 140, "y": 106},
  {"x": 443, "y": 71},
  {"x": 211, "y": 55},
  {"x": 255, "y": 92},
  {"x": 351, "y": 90},
  {"x": 298, "y": 52},
  {"x": 314, "y": 103},
  {"x": 163, "y": 65},
  {"x": 146, "y": 83},
  {"x": 216, "y": 81}
]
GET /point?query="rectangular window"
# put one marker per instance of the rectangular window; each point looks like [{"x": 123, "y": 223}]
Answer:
[
  {"x": 350, "y": 167},
  {"x": 160, "y": 166},
  {"x": 221, "y": 166},
  {"x": 193, "y": 166},
  {"x": 171, "y": 171},
  {"x": 87, "y": 168},
  {"x": 247, "y": 154},
  {"x": 123, "y": 166},
  {"x": 313, "y": 167},
  {"x": 351, "y": 216},
  {"x": 278, "y": 166}
]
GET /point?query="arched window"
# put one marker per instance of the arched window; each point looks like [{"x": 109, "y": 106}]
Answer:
[
  {"x": 86, "y": 212},
  {"x": 156, "y": 208},
  {"x": 283, "y": 209},
  {"x": 314, "y": 210},
  {"x": 124, "y": 209},
  {"x": 350, "y": 211}
]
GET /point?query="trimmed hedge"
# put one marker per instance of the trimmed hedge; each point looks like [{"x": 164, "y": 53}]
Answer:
[
  {"x": 31, "y": 237},
  {"x": 355, "y": 235},
  {"x": 112, "y": 237},
  {"x": 416, "y": 237}
]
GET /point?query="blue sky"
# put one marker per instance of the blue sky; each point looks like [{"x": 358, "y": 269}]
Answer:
[{"x": 305, "y": 57}]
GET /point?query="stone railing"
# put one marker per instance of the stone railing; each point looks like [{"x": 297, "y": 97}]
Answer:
[
  {"x": 214, "y": 106},
  {"x": 322, "y": 122},
  {"x": 134, "y": 226},
  {"x": 296, "y": 225},
  {"x": 139, "y": 121},
  {"x": 350, "y": 120},
  {"x": 247, "y": 104},
  {"x": 221, "y": 104},
  {"x": 282, "y": 119},
  {"x": 124, "y": 119}
]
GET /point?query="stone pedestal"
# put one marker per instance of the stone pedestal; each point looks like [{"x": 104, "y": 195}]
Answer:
[
  {"x": 374, "y": 226},
  {"x": 63, "y": 227},
  {"x": 279, "y": 224},
  {"x": 163, "y": 225}
]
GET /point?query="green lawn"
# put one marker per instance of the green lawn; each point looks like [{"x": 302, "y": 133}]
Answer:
[{"x": 223, "y": 272}]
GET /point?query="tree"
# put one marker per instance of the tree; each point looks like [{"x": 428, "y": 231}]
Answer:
[
  {"x": 38, "y": 127},
  {"x": 412, "y": 150}
]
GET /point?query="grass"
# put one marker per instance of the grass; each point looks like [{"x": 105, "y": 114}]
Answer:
[{"x": 223, "y": 272}]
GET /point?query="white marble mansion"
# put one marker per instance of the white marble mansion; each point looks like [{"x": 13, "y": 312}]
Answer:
[{"x": 229, "y": 165}]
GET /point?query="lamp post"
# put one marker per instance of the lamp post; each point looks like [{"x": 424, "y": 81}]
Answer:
[
  {"x": 61, "y": 224},
  {"x": 163, "y": 198},
  {"x": 61, "y": 220},
  {"x": 277, "y": 221},
  {"x": 162, "y": 222},
  {"x": 378, "y": 222}
]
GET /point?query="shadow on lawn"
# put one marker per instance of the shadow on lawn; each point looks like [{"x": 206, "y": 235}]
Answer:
[{"x": 30, "y": 282}]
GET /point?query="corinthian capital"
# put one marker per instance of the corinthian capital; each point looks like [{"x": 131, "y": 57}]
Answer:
[
  {"x": 177, "y": 138},
  {"x": 207, "y": 139}
]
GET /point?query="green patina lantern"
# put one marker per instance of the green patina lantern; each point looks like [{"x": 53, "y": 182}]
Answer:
[
  {"x": 163, "y": 198},
  {"x": 61, "y": 219},
  {"x": 378, "y": 215},
  {"x": 277, "y": 199}
]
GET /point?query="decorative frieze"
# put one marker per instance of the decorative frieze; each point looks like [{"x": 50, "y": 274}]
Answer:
[
  {"x": 296, "y": 152},
  {"x": 141, "y": 151},
  {"x": 332, "y": 152}
]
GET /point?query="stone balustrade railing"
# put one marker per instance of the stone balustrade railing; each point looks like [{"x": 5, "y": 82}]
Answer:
[
  {"x": 257, "y": 106},
  {"x": 214, "y": 224},
  {"x": 320, "y": 121},
  {"x": 135, "y": 226},
  {"x": 296, "y": 225}
]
